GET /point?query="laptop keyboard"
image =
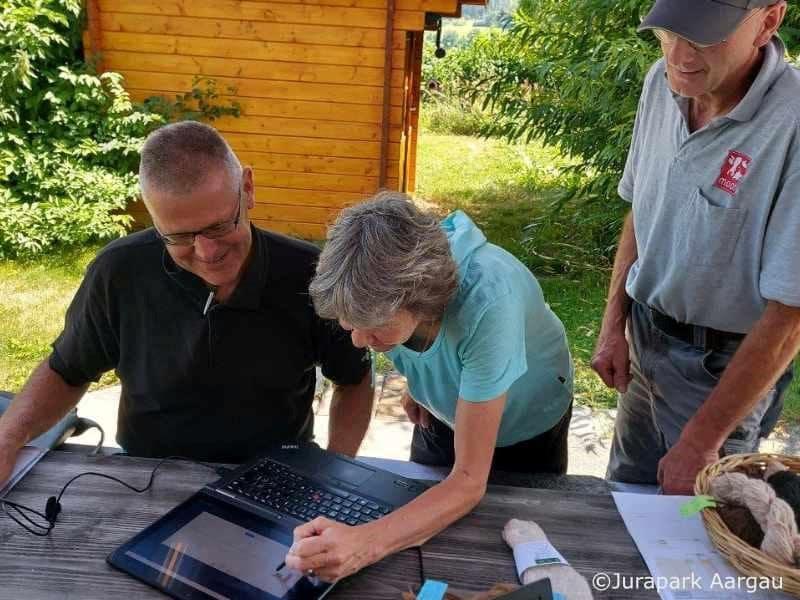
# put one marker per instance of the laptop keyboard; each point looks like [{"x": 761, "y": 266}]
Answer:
[{"x": 281, "y": 489}]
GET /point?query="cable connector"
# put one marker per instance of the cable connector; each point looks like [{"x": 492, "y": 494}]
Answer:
[{"x": 52, "y": 509}]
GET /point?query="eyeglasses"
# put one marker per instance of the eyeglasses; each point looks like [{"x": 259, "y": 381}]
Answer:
[
  {"x": 668, "y": 38},
  {"x": 216, "y": 231}
]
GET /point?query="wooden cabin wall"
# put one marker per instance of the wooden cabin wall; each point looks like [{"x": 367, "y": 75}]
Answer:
[{"x": 308, "y": 75}]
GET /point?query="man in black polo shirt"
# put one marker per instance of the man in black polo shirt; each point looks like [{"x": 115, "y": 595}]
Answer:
[{"x": 205, "y": 318}]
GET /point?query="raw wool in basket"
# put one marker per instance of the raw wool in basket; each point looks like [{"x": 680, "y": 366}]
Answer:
[
  {"x": 564, "y": 579},
  {"x": 775, "y": 516},
  {"x": 742, "y": 524},
  {"x": 786, "y": 485}
]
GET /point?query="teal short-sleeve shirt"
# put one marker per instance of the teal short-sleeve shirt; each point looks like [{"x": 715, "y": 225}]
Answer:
[{"x": 497, "y": 336}]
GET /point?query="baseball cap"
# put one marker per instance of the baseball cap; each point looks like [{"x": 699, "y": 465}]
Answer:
[{"x": 705, "y": 22}]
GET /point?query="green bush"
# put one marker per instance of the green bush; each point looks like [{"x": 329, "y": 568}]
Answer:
[
  {"x": 447, "y": 107},
  {"x": 69, "y": 138},
  {"x": 441, "y": 114}
]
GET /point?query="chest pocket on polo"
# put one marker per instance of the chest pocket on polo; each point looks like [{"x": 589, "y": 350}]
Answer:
[{"x": 709, "y": 233}]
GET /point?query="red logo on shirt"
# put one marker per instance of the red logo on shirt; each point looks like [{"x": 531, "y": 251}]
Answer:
[{"x": 732, "y": 172}]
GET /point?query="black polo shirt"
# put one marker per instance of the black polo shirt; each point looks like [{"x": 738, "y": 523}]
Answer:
[{"x": 220, "y": 386}]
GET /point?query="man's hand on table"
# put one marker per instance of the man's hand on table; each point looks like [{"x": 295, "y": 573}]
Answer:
[
  {"x": 332, "y": 550},
  {"x": 678, "y": 469}
]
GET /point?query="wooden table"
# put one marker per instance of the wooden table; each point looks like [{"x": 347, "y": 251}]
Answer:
[{"x": 98, "y": 515}]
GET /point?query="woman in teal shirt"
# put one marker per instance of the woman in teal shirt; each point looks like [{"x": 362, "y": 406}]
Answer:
[{"x": 488, "y": 368}]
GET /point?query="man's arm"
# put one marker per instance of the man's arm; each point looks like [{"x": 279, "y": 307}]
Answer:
[
  {"x": 611, "y": 360},
  {"x": 758, "y": 363},
  {"x": 44, "y": 399},
  {"x": 351, "y": 411}
]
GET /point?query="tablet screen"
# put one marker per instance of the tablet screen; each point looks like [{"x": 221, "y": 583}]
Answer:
[{"x": 207, "y": 549}]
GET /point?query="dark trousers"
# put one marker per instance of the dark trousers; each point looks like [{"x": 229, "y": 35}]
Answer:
[
  {"x": 545, "y": 453},
  {"x": 671, "y": 381}
]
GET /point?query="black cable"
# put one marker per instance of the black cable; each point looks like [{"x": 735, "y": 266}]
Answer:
[
  {"x": 53, "y": 506},
  {"x": 20, "y": 508}
]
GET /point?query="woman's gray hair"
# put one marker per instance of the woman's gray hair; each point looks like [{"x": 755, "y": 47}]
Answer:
[{"x": 382, "y": 256}]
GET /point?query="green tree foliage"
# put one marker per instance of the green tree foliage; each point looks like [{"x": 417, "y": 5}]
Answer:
[
  {"x": 572, "y": 74},
  {"x": 69, "y": 138},
  {"x": 448, "y": 82}
]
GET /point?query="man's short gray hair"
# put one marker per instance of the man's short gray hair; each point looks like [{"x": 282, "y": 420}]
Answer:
[
  {"x": 382, "y": 256},
  {"x": 177, "y": 158}
]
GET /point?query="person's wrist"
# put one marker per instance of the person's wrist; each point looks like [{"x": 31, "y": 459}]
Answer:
[
  {"x": 615, "y": 318},
  {"x": 612, "y": 329},
  {"x": 375, "y": 540},
  {"x": 9, "y": 445},
  {"x": 700, "y": 440}
]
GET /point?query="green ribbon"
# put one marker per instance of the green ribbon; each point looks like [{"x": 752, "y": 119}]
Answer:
[{"x": 696, "y": 504}]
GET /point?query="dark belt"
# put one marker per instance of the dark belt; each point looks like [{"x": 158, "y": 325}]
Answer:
[{"x": 696, "y": 335}]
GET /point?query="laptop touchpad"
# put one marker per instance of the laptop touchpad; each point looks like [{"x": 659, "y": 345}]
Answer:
[{"x": 347, "y": 472}]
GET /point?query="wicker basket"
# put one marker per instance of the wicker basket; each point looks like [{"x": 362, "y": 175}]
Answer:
[{"x": 744, "y": 557}]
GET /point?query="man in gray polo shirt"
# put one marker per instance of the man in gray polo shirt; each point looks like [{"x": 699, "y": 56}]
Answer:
[{"x": 707, "y": 274}]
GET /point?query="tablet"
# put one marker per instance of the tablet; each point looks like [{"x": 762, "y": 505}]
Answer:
[{"x": 205, "y": 548}]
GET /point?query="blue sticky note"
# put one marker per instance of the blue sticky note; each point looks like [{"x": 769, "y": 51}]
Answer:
[
  {"x": 557, "y": 596},
  {"x": 432, "y": 590}
]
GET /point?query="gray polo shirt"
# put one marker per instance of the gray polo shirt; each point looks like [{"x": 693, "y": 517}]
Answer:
[{"x": 717, "y": 211}]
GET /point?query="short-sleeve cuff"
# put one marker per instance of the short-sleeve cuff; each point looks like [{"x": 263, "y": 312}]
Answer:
[
  {"x": 625, "y": 192},
  {"x": 70, "y": 376},
  {"x": 780, "y": 292}
]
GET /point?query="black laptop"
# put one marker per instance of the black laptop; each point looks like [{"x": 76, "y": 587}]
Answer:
[{"x": 228, "y": 540}]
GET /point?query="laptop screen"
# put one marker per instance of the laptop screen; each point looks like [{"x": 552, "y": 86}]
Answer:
[{"x": 207, "y": 549}]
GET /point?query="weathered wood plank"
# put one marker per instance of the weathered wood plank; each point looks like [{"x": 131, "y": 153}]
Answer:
[
  {"x": 259, "y": 88},
  {"x": 299, "y": 163},
  {"x": 288, "y": 144},
  {"x": 246, "y": 49},
  {"x": 303, "y": 128},
  {"x": 286, "y": 196},
  {"x": 310, "y": 164},
  {"x": 305, "y": 231},
  {"x": 269, "y": 12},
  {"x": 293, "y": 214},
  {"x": 317, "y": 181},
  {"x": 118, "y": 60},
  {"x": 248, "y": 30},
  {"x": 295, "y": 109},
  {"x": 470, "y": 555},
  {"x": 436, "y": 6}
]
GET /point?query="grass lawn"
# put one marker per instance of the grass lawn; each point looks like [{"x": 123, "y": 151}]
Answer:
[
  {"x": 35, "y": 295},
  {"x": 503, "y": 188}
]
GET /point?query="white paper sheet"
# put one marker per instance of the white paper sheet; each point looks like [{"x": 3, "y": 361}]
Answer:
[
  {"x": 682, "y": 561},
  {"x": 26, "y": 458}
]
